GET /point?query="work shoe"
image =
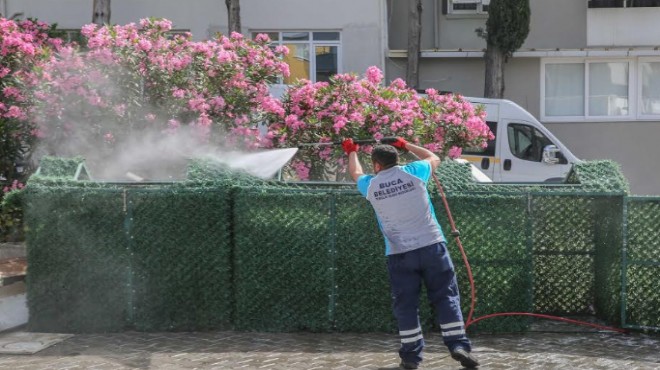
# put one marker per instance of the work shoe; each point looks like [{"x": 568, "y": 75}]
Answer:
[
  {"x": 408, "y": 365},
  {"x": 461, "y": 355}
]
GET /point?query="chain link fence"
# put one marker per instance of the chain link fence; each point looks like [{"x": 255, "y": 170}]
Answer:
[
  {"x": 641, "y": 264},
  {"x": 224, "y": 251}
]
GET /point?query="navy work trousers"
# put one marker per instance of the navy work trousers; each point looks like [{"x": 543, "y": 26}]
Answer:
[{"x": 433, "y": 266}]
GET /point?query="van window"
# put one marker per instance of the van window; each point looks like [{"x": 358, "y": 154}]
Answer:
[
  {"x": 526, "y": 142},
  {"x": 489, "y": 150}
]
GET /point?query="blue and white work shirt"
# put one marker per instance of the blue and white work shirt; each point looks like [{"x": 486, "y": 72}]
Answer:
[{"x": 403, "y": 206}]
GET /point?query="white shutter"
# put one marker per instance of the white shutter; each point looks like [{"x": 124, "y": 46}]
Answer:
[{"x": 485, "y": 2}]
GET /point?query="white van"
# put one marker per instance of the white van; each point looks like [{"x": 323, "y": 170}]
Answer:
[{"x": 523, "y": 149}]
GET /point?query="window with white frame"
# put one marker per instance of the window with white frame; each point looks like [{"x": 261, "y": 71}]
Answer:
[
  {"x": 649, "y": 86},
  {"x": 313, "y": 55},
  {"x": 588, "y": 89},
  {"x": 467, "y": 6}
]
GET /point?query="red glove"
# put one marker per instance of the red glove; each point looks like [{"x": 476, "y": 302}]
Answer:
[
  {"x": 397, "y": 142},
  {"x": 349, "y": 146}
]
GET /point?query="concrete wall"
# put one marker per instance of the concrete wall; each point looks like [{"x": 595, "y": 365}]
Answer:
[
  {"x": 623, "y": 26},
  {"x": 466, "y": 76},
  {"x": 631, "y": 144},
  {"x": 449, "y": 32},
  {"x": 360, "y": 23},
  {"x": 553, "y": 24},
  {"x": 202, "y": 17},
  {"x": 557, "y": 24},
  {"x": 66, "y": 13}
]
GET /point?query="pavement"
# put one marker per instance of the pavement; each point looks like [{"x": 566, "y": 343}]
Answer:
[{"x": 549, "y": 349}]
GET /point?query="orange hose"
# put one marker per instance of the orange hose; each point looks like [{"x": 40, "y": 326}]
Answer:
[{"x": 473, "y": 293}]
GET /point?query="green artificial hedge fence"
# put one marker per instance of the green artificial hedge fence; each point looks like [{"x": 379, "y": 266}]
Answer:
[
  {"x": 228, "y": 251},
  {"x": 641, "y": 267}
]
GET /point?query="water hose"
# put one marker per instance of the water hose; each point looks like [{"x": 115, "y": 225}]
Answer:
[
  {"x": 473, "y": 294},
  {"x": 331, "y": 143}
]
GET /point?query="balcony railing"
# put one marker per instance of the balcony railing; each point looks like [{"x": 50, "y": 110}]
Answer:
[{"x": 623, "y": 3}]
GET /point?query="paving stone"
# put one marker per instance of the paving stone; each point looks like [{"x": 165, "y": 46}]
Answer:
[{"x": 275, "y": 351}]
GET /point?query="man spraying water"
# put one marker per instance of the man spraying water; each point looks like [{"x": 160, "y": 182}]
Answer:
[{"x": 415, "y": 246}]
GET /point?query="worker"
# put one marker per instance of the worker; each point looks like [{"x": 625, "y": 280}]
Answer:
[{"x": 415, "y": 246}]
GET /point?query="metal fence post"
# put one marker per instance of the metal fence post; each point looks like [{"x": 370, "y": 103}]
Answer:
[
  {"x": 128, "y": 233},
  {"x": 332, "y": 254}
]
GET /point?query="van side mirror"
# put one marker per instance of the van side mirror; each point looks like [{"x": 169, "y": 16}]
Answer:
[{"x": 551, "y": 154}]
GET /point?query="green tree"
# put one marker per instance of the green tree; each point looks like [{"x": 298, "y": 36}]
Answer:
[{"x": 506, "y": 30}]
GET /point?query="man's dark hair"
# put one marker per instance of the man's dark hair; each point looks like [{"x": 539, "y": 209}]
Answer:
[{"x": 385, "y": 155}]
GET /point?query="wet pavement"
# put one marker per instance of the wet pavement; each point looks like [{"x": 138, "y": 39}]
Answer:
[{"x": 240, "y": 350}]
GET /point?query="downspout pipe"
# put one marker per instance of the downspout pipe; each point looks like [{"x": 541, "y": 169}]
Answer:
[{"x": 437, "y": 5}]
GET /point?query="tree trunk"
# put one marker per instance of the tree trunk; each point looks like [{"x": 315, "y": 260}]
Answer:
[
  {"x": 494, "y": 83},
  {"x": 414, "y": 42},
  {"x": 234, "y": 15},
  {"x": 101, "y": 12}
]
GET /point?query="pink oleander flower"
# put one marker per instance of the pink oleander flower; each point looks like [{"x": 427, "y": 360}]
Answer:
[
  {"x": 179, "y": 93},
  {"x": 14, "y": 112},
  {"x": 374, "y": 75},
  {"x": 281, "y": 49},
  {"x": 262, "y": 37},
  {"x": 109, "y": 138},
  {"x": 15, "y": 185},
  {"x": 144, "y": 45},
  {"x": 455, "y": 152},
  {"x": 348, "y": 106}
]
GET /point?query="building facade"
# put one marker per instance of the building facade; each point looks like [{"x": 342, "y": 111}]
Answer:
[
  {"x": 589, "y": 71},
  {"x": 324, "y": 38}
]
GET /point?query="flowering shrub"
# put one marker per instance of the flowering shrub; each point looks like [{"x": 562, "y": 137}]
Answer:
[
  {"x": 24, "y": 46},
  {"x": 11, "y": 213},
  {"x": 363, "y": 108},
  {"x": 134, "y": 78},
  {"x": 450, "y": 124}
]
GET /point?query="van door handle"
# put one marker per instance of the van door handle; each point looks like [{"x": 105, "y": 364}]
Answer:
[
  {"x": 507, "y": 164},
  {"x": 485, "y": 163}
]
